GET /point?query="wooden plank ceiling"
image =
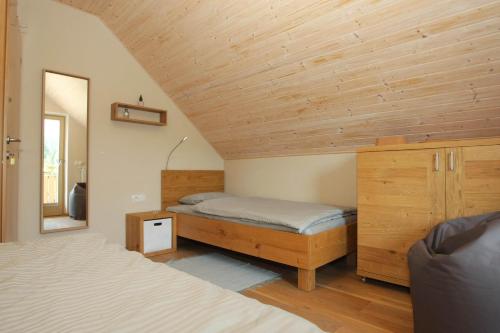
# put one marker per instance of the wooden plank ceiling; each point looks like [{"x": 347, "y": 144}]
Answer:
[{"x": 272, "y": 78}]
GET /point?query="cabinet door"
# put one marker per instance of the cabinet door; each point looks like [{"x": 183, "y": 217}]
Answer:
[
  {"x": 473, "y": 180},
  {"x": 401, "y": 195}
]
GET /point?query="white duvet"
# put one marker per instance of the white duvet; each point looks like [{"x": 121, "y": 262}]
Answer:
[{"x": 83, "y": 284}]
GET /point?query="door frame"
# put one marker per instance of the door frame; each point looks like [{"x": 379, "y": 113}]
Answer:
[
  {"x": 3, "y": 58},
  {"x": 60, "y": 208}
]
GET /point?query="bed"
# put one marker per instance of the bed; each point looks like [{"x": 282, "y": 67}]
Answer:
[
  {"x": 81, "y": 283},
  {"x": 304, "y": 251}
]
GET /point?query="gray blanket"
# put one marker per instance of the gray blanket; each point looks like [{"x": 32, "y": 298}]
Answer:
[{"x": 292, "y": 214}]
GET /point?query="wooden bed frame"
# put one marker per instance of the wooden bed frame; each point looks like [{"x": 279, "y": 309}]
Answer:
[{"x": 306, "y": 252}]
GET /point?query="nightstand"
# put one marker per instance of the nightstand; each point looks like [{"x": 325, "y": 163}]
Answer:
[{"x": 151, "y": 233}]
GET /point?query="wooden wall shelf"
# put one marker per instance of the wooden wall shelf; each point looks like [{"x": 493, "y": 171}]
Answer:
[{"x": 117, "y": 114}]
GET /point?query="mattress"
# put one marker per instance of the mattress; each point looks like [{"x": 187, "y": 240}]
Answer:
[
  {"x": 311, "y": 230},
  {"x": 83, "y": 284}
]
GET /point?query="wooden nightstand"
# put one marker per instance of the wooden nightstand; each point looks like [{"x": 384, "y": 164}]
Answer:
[{"x": 151, "y": 233}]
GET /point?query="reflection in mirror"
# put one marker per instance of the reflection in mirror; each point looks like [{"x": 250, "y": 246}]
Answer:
[{"x": 64, "y": 152}]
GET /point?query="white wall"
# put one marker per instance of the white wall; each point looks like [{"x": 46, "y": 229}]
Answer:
[
  {"x": 124, "y": 158},
  {"x": 329, "y": 179}
]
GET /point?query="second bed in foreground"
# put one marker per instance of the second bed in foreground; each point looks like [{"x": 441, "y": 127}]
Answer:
[{"x": 83, "y": 284}]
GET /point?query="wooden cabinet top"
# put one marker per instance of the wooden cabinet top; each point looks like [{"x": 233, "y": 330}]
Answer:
[
  {"x": 151, "y": 215},
  {"x": 433, "y": 145}
]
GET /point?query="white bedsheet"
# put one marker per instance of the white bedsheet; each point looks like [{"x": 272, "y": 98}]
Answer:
[
  {"x": 292, "y": 214},
  {"x": 82, "y": 284}
]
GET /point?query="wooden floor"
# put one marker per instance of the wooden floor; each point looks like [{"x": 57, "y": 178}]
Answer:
[
  {"x": 61, "y": 222},
  {"x": 341, "y": 302}
]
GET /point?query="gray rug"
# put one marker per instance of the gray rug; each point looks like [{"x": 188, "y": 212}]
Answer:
[{"x": 224, "y": 271}]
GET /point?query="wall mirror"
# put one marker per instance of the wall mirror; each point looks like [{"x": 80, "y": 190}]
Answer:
[{"x": 64, "y": 167}]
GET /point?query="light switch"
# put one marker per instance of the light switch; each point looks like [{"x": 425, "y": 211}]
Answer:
[{"x": 138, "y": 197}]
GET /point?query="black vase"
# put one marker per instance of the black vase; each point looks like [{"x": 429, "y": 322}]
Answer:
[{"x": 77, "y": 205}]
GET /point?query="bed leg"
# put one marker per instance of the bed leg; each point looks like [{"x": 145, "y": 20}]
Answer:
[
  {"x": 307, "y": 279},
  {"x": 352, "y": 259}
]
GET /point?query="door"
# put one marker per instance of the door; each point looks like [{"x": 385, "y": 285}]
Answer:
[
  {"x": 10, "y": 68},
  {"x": 401, "y": 196},
  {"x": 473, "y": 180},
  {"x": 54, "y": 142}
]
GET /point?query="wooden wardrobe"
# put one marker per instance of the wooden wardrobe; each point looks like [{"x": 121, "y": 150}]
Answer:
[{"x": 405, "y": 190}]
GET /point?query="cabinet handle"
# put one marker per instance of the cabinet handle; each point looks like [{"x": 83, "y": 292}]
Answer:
[
  {"x": 436, "y": 161},
  {"x": 451, "y": 161}
]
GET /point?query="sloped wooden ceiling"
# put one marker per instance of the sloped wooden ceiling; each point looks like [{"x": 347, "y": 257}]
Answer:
[{"x": 269, "y": 78}]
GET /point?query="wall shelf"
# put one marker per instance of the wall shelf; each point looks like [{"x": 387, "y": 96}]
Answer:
[{"x": 117, "y": 114}]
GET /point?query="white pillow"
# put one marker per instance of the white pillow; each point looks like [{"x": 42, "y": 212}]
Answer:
[{"x": 196, "y": 198}]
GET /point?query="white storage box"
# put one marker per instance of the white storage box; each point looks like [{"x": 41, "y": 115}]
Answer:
[{"x": 157, "y": 235}]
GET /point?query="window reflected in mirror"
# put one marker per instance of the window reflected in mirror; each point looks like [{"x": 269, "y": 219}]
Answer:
[{"x": 64, "y": 199}]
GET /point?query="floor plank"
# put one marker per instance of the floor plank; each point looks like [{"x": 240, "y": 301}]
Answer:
[{"x": 341, "y": 302}]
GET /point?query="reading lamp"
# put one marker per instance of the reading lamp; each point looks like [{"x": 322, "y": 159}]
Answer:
[{"x": 177, "y": 145}]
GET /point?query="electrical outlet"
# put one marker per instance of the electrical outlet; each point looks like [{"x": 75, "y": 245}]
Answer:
[{"x": 138, "y": 197}]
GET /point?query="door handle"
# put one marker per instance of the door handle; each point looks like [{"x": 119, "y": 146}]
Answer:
[
  {"x": 451, "y": 161},
  {"x": 436, "y": 161},
  {"x": 9, "y": 140}
]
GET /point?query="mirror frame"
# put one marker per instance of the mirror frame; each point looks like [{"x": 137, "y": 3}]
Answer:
[{"x": 86, "y": 226}]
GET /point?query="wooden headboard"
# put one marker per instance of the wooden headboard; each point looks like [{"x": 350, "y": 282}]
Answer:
[{"x": 178, "y": 183}]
